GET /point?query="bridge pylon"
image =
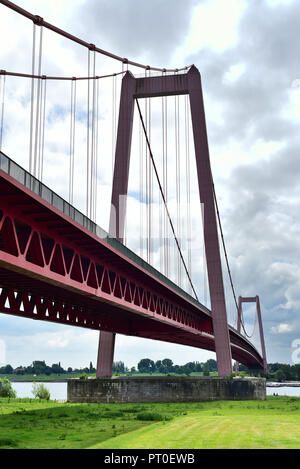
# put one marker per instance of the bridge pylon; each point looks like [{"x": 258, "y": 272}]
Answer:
[
  {"x": 170, "y": 85},
  {"x": 255, "y": 300}
]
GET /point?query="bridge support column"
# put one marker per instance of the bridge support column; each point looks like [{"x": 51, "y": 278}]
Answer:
[
  {"x": 118, "y": 203},
  {"x": 105, "y": 354},
  {"x": 212, "y": 249}
]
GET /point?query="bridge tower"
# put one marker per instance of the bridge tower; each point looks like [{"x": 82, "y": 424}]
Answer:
[
  {"x": 166, "y": 85},
  {"x": 255, "y": 300}
]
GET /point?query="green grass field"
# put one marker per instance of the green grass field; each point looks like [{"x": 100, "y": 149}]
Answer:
[{"x": 274, "y": 423}]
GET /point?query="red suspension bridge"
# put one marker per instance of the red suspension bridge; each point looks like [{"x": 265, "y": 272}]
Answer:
[{"x": 57, "y": 264}]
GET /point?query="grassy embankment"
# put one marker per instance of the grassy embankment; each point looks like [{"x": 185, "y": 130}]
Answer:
[{"x": 274, "y": 423}]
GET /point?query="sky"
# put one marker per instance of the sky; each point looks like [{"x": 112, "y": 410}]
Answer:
[{"x": 248, "y": 55}]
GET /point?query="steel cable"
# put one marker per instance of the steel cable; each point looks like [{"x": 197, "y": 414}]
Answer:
[
  {"x": 163, "y": 197},
  {"x": 40, "y": 21},
  {"x": 2, "y": 91}
]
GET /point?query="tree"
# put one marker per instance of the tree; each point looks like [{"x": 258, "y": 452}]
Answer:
[
  {"x": 198, "y": 367},
  {"x": 7, "y": 370},
  {"x": 40, "y": 391},
  {"x": 146, "y": 365},
  {"x": 296, "y": 371},
  {"x": 57, "y": 369},
  {"x": 92, "y": 369},
  {"x": 6, "y": 389},
  {"x": 191, "y": 367},
  {"x": 186, "y": 369},
  {"x": 211, "y": 365},
  {"x": 119, "y": 367},
  {"x": 279, "y": 375},
  {"x": 159, "y": 366},
  {"x": 39, "y": 367},
  {"x": 167, "y": 365}
]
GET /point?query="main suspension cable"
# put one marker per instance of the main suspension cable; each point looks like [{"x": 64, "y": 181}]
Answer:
[
  {"x": 58, "y": 78},
  {"x": 243, "y": 324},
  {"x": 164, "y": 199},
  {"x": 41, "y": 22}
]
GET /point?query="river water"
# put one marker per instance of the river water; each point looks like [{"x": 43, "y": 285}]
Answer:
[{"x": 58, "y": 391}]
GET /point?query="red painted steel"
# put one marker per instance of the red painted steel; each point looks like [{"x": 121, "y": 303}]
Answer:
[
  {"x": 118, "y": 203},
  {"x": 166, "y": 85},
  {"x": 255, "y": 300},
  {"x": 211, "y": 241},
  {"x": 53, "y": 269}
]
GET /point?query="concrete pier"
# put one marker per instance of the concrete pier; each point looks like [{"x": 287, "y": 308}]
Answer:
[{"x": 165, "y": 389}]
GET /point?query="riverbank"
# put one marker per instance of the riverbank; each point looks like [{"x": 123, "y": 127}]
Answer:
[
  {"x": 53, "y": 378},
  {"x": 33, "y": 424},
  {"x": 33, "y": 379},
  {"x": 37, "y": 379},
  {"x": 283, "y": 384}
]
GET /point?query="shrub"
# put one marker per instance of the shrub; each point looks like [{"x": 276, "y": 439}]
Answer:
[
  {"x": 6, "y": 389},
  {"x": 152, "y": 416},
  {"x": 7, "y": 442},
  {"x": 40, "y": 391},
  {"x": 83, "y": 376}
]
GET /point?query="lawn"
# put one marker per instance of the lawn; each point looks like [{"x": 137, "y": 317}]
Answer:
[{"x": 274, "y": 423}]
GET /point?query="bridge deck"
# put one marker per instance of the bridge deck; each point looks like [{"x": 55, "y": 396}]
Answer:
[{"x": 57, "y": 265}]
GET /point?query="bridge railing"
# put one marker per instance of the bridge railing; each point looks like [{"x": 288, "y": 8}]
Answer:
[{"x": 14, "y": 170}]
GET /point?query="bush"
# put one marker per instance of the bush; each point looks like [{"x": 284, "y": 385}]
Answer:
[
  {"x": 40, "y": 391},
  {"x": 6, "y": 389},
  {"x": 83, "y": 376},
  {"x": 154, "y": 416}
]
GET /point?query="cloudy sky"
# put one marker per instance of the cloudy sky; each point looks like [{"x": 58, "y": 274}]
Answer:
[{"x": 248, "y": 56}]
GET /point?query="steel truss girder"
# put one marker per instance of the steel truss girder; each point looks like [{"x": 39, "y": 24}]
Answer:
[{"x": 37, "y": 252}]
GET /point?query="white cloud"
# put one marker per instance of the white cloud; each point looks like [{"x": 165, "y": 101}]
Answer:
[{"x": 282, "y": 328}]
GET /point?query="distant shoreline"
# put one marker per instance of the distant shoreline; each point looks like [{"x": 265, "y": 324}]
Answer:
[
  {"x": 41, "y": 380},
  {"x": 288, "y": 384},
  {"x": 38, "y": 380}
]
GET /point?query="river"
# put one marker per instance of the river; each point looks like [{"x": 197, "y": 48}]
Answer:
[{"x": 58, "y": 391}]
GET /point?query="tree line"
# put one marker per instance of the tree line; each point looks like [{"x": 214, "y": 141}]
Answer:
[
  {"x": 283, "y": 372},
  {"x": 148, "y": 366},
  {"x": 39, "y": 367},
  {"x": 145, "y": 365},
  {"x": 276, "y": 371}
]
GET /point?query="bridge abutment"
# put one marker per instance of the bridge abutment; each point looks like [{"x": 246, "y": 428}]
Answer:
[{"x": 165, "y": 389}]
